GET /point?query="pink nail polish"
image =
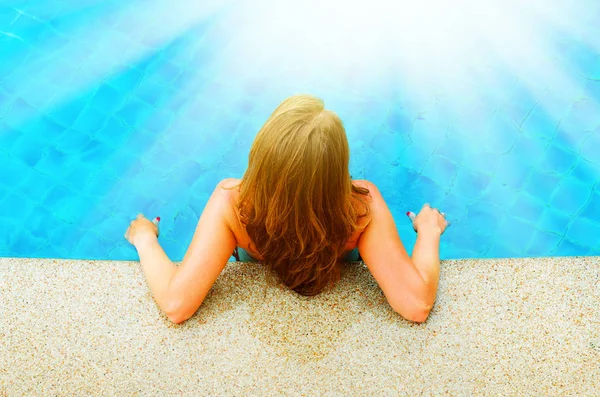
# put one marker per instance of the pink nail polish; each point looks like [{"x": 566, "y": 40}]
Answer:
[{"x": 158, "y": 218}]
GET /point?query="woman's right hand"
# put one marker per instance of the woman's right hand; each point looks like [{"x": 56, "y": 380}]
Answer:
[{"x": 428, "y": 220}]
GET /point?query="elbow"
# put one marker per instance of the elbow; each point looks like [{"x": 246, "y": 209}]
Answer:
[
  {"x": 176, "y": 313},
  {"x": 176, "y": 318},
  {"x": 417, "y": 312},
  {"x": 179, "y": 307},
  {"x": 419, "y": 315}
]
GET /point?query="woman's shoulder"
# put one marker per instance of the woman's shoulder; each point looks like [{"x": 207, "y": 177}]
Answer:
[
  {"x": 374, "y": 196},
  {"x": 229, "y": 183},
  {"x": 373, "y": 200},
  {"x": 227, "y": 192},
  {"x": 228, "y": 188},
  {"x": 370, "y": 186}
]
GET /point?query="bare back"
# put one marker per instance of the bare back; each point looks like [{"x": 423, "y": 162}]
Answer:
[{"x": 241, "y": 235}]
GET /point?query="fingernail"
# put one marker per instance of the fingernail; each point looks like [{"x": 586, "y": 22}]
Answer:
[
  {"x": 158, "y": 218},
  {"x": 408, "y": 214}
]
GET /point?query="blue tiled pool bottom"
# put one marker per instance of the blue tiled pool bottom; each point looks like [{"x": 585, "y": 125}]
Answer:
[{"x": 101, "y": 118}]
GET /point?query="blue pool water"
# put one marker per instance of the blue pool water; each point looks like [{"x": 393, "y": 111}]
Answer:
[{"x": 489, "y": 111}]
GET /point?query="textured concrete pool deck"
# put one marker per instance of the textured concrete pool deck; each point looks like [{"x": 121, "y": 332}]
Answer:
[{"x": 499, "y": 327}]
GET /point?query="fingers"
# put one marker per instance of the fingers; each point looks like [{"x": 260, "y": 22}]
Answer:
[
  {"x": 427, "y": 205},
  {"x": 133, "y": 225},
  {"x": 141, "y": 216},
  {"x": 443, "y": 214},
  {"x": 412, "y": 215}
]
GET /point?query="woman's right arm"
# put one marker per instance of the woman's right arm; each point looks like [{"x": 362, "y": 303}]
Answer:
[{"x": 409, "y": 285}]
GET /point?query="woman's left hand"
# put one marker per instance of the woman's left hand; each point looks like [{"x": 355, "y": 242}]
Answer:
[{"x": 141, "y": 228}]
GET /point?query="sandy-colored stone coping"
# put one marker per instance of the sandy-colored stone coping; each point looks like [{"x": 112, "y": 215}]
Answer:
[{"x": 499, "y": 327}]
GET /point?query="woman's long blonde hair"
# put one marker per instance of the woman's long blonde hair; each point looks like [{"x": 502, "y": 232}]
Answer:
[{"x": 296, "y": 197}]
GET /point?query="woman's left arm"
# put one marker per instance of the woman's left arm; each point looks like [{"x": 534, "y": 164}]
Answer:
[{"x": 180, "y": 290}]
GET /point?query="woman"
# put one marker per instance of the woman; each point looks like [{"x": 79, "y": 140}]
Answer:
[{"x": 297, "y": 210}]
